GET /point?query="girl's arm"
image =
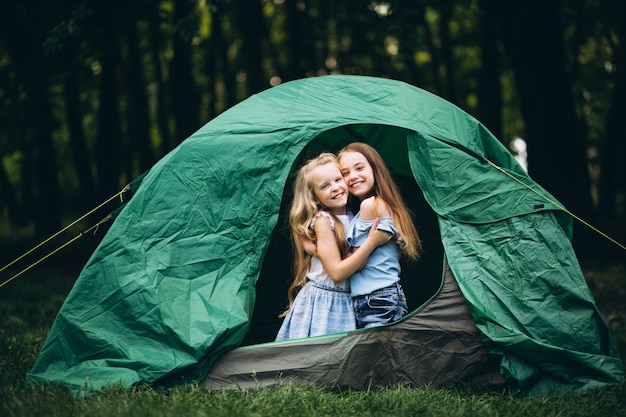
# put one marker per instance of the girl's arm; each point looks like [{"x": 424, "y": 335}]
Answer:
[
  {"x": 308, "y": 245},
  {"x": 328, "y": 250}
]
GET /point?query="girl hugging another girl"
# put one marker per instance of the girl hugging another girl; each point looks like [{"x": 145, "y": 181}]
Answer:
[{"x": 322, "y": 263}]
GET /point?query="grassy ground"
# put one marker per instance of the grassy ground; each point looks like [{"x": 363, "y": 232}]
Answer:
[{"x": 28, "y": 307}]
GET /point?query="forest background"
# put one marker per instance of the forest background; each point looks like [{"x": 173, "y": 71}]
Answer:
[{"x": 92, "y": 93}]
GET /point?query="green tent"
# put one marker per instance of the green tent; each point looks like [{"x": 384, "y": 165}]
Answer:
[{"x": 169, "y": 294}]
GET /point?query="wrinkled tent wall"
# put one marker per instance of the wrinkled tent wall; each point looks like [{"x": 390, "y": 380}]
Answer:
[
  {"x": 544, "y": 349},
  {"x": 171, "y": 286},
  {"x": 148, "y": 309}
]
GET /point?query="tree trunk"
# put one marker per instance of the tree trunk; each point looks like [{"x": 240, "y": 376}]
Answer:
[
  {"x": 294, "y": 20},
  {"x": 82, "y": 161},
  {"x": 140, "y": 142},
  {"x": 533, "y": 39},
  {"x": 229, "y": 74},
  {"x": 489, "y": 110},
  {"x": 450, "y": 92},
  {"x": 252, "y": 25},
  {"x": 215, "y": 45},
  {"x": 161, "y": 113},
  {"x": 612, "y": 187},
  {"x": 184, "y": 97},
  {"x": 48, "y": 209},
  {"x": 108, "y": 142}
]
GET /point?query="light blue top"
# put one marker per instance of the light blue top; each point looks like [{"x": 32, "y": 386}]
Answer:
[{"x": 383, "y": 265}]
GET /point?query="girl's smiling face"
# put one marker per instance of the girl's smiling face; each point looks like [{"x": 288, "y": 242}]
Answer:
[
  {"x": 329, "y": 188},
  {"x": 357, "y": 173}
]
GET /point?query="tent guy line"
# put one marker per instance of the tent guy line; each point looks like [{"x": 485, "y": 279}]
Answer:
[
  {"x": 548, "y": 199},
  {"x": 556, "y": 203},
  {"x": 43, "y": 258},
  {"x": 119, "y": 195}
]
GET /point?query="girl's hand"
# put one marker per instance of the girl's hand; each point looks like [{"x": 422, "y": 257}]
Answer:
[{"x": 379, "y": 237}]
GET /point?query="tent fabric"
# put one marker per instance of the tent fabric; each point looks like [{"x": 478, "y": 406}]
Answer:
[
  {"x": 435, "y": 346},
  {"x": 479, "y": 193},
  {"x": 171, "y": 287},
  {"x": 523, "y": 326}
]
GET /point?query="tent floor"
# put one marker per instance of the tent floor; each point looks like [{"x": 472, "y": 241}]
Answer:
[{"x": 435, "y": 345}]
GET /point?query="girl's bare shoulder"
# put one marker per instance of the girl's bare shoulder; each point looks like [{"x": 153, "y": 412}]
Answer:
[{"x": 373, "y": 207}]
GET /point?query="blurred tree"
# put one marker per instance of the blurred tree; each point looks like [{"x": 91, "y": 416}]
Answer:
[
  {"x": 156, "y": 19},
  {"x": 532, "y": 35},
  {"x": 9, "y": 198},
  {"x": 140, "y": 146},
  {"x": 251, "y": 24},
  {"x": 612, "y": 187},
  {"x": 25, "y": 27},
  {"x": 80, "y": 153},
  {"x": 228, "y": 73},
  {"x": 489, "y": 109},
  {"x": 108, "y": 146},
  {"x": 92, "y": 92},
  {"x": 433, "y": 52},
  {"x": 450, "y": 90},
  {"x": 213, "y": 47},
  {"x": 64, "y": 49},
  {"x": 296, "y": 21},
  {"x": 185, "y": 101}
]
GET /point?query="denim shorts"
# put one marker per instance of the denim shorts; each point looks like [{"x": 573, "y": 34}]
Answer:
[{"x": 383, "y": 306}]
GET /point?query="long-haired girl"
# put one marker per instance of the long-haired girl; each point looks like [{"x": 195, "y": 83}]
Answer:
[{"x": 376, "y": 291}]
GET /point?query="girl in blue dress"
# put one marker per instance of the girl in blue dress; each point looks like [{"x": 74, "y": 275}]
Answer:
[
  {"x": 376, "y": 291},
  {"x": 318, "y": 218}
]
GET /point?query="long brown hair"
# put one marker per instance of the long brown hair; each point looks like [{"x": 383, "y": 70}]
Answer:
[
  {"x": 385, "y": 188},
  {"x": 303, "y": 209}
]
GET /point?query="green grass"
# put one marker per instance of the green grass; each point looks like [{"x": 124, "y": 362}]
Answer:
[
  {"x": 28, "y": 307},
  {"x": 306, "y": 401}
]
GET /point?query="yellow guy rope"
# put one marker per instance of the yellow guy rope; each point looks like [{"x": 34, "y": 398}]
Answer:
[
  {"x": 54, "y": 251},
  {"x": 119, "y": 194},
  {"x": 557, "y": 204}
]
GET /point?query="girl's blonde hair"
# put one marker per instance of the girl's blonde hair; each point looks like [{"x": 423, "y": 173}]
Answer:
[
  {"x": 303, "y": 210},
  {"x": 385, "y": 189}
]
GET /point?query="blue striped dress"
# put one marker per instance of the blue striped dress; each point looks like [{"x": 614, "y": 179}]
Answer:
[{"x": 322, "y": 306}]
